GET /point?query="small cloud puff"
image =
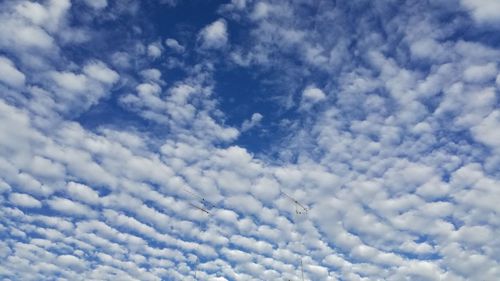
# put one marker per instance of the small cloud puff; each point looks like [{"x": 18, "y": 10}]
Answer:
[
  {"x": 154, "y": 50},
  {"x": 426, "y": 48},
  {"x": 214, "y": 36},
  {"x": 483, "y": 11},
  {"x": 480, "y": 73},
  {"x": 174, "y": 45},
  {"x": 261, "y": 11},
  {"x": 151, "y": 74},
  {"x": 254, "y": 121},
  {"x": 96, "y": 70},
  {"x": 97, "y": 4},
  {"x": 310, "y": 96},
  {"x": 10, "y": 75},
  {"x": 24, "y": 200},
  {"x": 100, "y": 72},
  {"x": 487, "y": 131},
  {"x": 70, "y": 81}
]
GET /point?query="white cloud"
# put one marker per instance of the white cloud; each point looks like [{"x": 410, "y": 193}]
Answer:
[
  {"x": 35, "y": 12},
  {"x": 254, "y": 121},
  {"x": 483, "y": 11},
  {"x": 385, "y": 164},
  {"x": 468, "y": 106},
  {"x": 152, "y": 74},
  {"x": 427, "y": 48},
  {"x": 9, "y": 74},
  {"x": 50, "y": 16},
  {"x": 4, "y": 187},
  {"x": 44, "y": 167},
  {"x": 70, "y": 81},
  {"x": 261, "y": 10},
  {"x": 176, "y": 109},
  {"x": 266, "y": 189},
  {"x": 100, "y": 72},
  {"x": 487, "y": 131},
  {"x": 24, "y": 200},
  {"x": 17, "y": 34},
  {"x": 246, "y": 203},
  {"x": 75, "y": 92},
  {"x": 236, "y": 4},
  {"x": 71, "y": 261},
  {"x": 148, "y": 89},
  {"x": 83, "y": 193},
  {"x": 174, "y": 45},
  {"x": 480, "y": 73},
  {"x": 313, "y": 94},
  {"x": 71, "y": 208},
  {"x": 57, "y": 10},
  {"x": 310, "y": 96},
  {"x": 154, "y": 50},
  {"x": 214, "y": 35},
  {"x": 121, "y": 60},
  {"x": 97, "y": 4},
  {"x": 478, "y": 235}
]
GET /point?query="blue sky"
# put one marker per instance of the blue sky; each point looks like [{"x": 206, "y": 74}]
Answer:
[{"x": 119, "y": 120}]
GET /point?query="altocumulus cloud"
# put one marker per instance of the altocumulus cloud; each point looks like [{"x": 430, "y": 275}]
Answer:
[{"x": 249, "y": 140}]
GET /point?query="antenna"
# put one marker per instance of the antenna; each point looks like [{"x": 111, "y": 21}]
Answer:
[
  {"x": 199, "y": 208},
  {"x": 299, "y": 210},
  {"x": 297, "y": 204},
  {"x": 200, "y": 199},
  {"x": 205, "y": 211}
]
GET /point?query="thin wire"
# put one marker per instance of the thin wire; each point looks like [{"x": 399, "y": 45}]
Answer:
[
  {"x": 302, "y": 244},
  {"x": 297, "y": 212},
  {"x": 199, "y": 227},
  {"x": 302, "y": 268},
  {"x": 315, "y": 18}
]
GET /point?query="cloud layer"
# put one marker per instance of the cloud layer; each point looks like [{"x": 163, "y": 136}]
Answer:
[{"x": 121, "y": 157}]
